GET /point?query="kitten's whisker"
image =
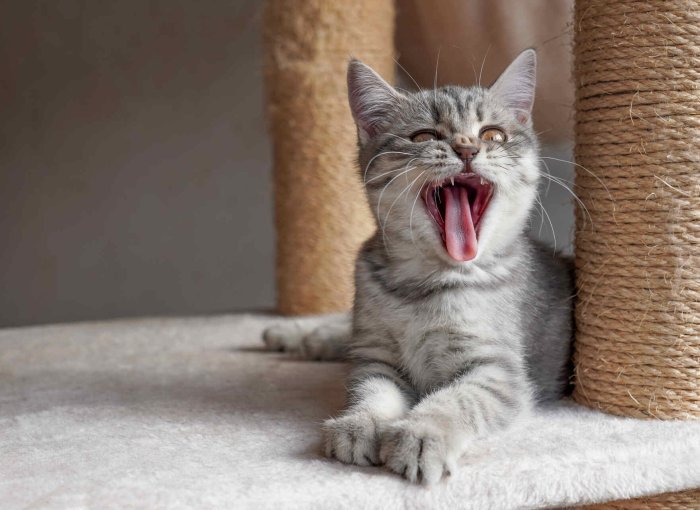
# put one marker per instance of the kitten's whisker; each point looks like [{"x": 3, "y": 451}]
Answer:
[
  {"x": 510, "y": 144},
  {"x": 587, "y": 170},
  {"x": 554, "y": 235},
  {"x": 483, "y": 61},
  {"x": 408, "y": 187},
  {"x": 383, "y": 174},
  {"x": 513, "y": 143},
  {"x": 408, "y": 74},
  {"x": 539, "y": 232},
  {"x": 397, "y": 136},
  {"x": 421, "y": 90},
  {"x": 437, "y": 63},
  {"x": 561, "y": 179},
  {"x": 382, "y": 225},
  {"x": 379, "y": 200},
  {"x": 410, "y": 217},
  {"x": 549, "y": 182},
  {"x": 580, "y": 202},
  {"x": 474, "y": 69},
  {"x": 415, "y": 83},
  {"x": 364, "y": 176},
  {"x": 405, "y": 170}
]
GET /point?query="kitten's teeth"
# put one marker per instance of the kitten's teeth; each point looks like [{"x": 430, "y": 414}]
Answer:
[
  {"x": 452, "y": 180},
  {"x": 482, "y": 181}
]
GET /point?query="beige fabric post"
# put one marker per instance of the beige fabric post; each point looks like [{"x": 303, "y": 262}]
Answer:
[{"x": 321, "y": 212}]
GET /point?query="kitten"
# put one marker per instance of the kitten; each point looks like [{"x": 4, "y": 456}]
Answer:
[{"x": 461, "y": 323}]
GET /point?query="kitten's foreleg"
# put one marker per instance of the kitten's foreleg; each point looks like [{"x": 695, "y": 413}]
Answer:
[
  {"x": 377, "y": 395},
  {"x": 488, "y": 394}
]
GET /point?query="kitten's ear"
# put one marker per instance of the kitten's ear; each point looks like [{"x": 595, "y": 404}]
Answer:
[
  {"x": 371, "y": 99},
  {"x": 516, "y": 85}
]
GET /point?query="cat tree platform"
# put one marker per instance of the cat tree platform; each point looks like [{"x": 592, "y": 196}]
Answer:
[{"x": 192, "y": 413}]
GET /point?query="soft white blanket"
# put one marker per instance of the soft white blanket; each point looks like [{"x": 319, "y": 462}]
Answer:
[{"x": 191, "y": 413}]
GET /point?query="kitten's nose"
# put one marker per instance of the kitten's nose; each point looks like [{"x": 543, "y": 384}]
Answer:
[{"x": 464, "y": 148}]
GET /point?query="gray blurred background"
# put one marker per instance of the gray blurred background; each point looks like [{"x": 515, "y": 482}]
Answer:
[{"x": 135, "y": 173}]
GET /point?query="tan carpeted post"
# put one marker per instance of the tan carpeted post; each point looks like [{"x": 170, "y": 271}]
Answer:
[
  {"x": 638, "y": 240},
  {"x": 321, "y": 213}
]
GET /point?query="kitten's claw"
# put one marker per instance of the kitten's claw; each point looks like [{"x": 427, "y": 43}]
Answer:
[
  {"x": 353, "y": 439},
  {"x": 417, "y": 451}
]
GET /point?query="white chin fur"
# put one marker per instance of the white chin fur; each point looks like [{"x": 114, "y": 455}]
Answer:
[{"x": 503, "y": 221}]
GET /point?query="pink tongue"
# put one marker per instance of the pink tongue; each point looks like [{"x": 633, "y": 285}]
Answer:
[{"x": 460, "y": 237}]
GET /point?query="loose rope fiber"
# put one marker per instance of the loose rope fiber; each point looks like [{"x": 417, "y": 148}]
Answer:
[
  {"x": 637, "y": 72},
  {"x": 321, "y": 213}
]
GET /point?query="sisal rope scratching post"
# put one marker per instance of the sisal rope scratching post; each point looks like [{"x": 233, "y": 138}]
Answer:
[
  {"x": 638, "y": 255},
  {"x": 686, "y": 500},
  {"x": 638, "y": 241},
  {"x": 321, "y": 213}
]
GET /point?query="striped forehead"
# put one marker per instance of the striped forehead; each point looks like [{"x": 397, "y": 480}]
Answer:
[{"x": 456, "y": 108}]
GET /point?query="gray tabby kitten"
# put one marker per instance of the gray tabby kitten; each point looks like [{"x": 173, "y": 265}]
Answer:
[{"x": 461, "y": 322}]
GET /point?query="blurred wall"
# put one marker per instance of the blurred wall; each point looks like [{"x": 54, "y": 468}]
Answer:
[{"x": 134, "y": 165}]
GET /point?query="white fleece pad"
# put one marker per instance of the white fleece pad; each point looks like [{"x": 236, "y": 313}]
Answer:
[{"x": 191, "y": 413}]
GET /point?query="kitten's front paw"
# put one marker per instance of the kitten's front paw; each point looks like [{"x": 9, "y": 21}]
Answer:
[
  {"x": 323, "y": 337},
  {"x": 326, "y": 342},
  {"x": 353, "y": 439},
  {"x": 285, "y": 336},
  {"x": 418, "y": 450}
]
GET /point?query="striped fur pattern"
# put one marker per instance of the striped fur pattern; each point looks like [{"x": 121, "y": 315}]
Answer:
[{"x": 444, "y": 352}]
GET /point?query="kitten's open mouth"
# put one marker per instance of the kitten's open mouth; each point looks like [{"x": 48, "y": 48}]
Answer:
[{"x": 457, "y": 205}]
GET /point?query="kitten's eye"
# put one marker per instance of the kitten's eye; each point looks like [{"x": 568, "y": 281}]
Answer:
[
  {"x": 424, "y": 136},
  {"x": 493, "y": 135}
]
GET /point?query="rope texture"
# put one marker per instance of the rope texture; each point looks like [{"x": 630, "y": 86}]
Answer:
[
  {"x": 687, "y": 500},
  {"x": 637, "y": 72},
  {"x": 321, "y": 213}
]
